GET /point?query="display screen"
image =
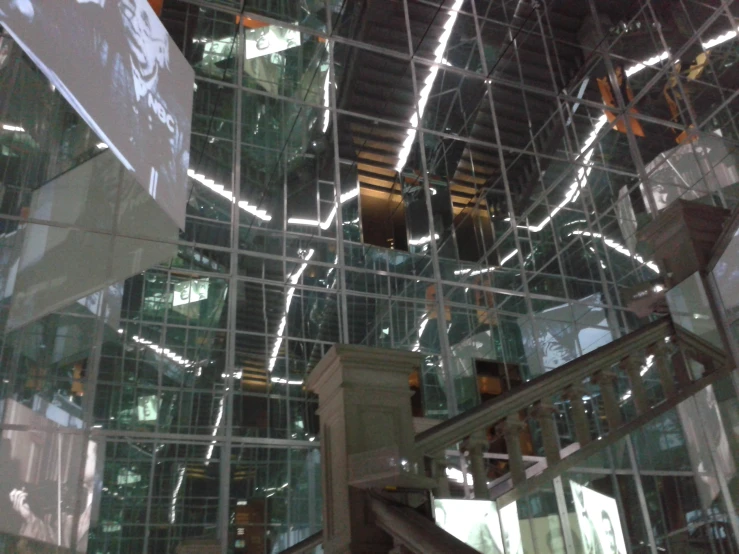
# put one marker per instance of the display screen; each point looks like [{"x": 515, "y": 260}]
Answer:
[
  {"x": 116, "y": 65},
  {"x": 597, "y": 516},
  {"x": 190, "y": 291},
  {"x": 474, "y": 522},
  {"x": 53, "y": 262},
  {"x": 40, "y": 488}
]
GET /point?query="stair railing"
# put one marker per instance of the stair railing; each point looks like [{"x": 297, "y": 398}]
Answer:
[{"x": 627, "y": 383}]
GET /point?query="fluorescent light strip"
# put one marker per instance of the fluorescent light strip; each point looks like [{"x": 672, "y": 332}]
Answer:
[
  {"x": 288, "y": 300},
  {"x": 584, "y": 172},
  {"x": 620, "y": 248},
  {"x": 719, "y": 39},
  {"x": 330, "y": 219},
  {"x": 286, "y": 381},
  {"x": 165, "y": 352},
  {"x": 173, "y": 507},
  {"x": 428, "y": 84},
  {"x": 217, "y": 424},
  {"x": 220, "y": 189},
  {"x": 14, "y": 128},
  {"x": 422, "y": 240}
]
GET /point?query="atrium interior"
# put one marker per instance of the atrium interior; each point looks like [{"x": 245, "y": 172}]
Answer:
[{"x": 483, "y": 185}]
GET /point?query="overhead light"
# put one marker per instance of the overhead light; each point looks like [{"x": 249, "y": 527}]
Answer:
[
  {"x": 719, "y": 40},
  {"x": 428, "y": 84},
  {"x": 101, "y": 146},
  {"x": 293, "y": 280},
  {"x": 14, "y": 128},
  {"x": 221, "y": 190},
  {"x": 286, "y": 381}
]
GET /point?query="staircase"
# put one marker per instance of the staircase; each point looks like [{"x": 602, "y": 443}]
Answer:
[{"x": 631, "y": 382}]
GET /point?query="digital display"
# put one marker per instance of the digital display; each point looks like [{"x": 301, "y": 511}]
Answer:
[
  {"x": 597, "y": 517},
  {"x": 114, "y": 62},
  {"x": 53, "y": 262},
  {"x": 148, "y": 408},
  {"x": 474, "y": 522},
  {"x": 40, "y": 488},
  {"x": 190, "y": 291}
]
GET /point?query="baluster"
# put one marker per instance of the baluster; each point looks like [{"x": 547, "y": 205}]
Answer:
[
  {"x": 438, "y": 469},
  {"x": 510, "y": 430},
  {"x": 660, "y": 352},
  {"x": 605, "y": 381},
  {"x": 632, "y": 365},
  {"x": 477, "y": 444},
  {"x": 681, "y": 364},
  {"x": 544, "y": 411},
  {"x": 582, "y": 428}
]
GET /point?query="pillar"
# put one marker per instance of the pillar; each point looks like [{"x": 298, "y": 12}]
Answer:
[
  {"x": 606, "y": 383},
  {"x": 367, "y": 439},
  {"x": 544, "y": 412},
  {"x": 632, "y": 365},
  {"x": 510, "y": 429},
  {"x": 580, "y": 419},
  {"x": 477, "y": 444}
]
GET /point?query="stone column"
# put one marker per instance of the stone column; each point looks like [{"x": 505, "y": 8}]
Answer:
[
  {"x": 510, "y": 429},
  {"x": 632, "y": 365},
  {"x": 544, "y": 412},
  {"x": 477, "y": 444},
  {"x": 582, "y": 428},
  {"x": 660, "y": 353},
  {"x": 364, "y": 408},
  {"x": 605, "y": 381},
  {"x": 439, "y": 474}
]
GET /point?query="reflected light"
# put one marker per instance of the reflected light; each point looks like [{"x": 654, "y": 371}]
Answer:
[
  {"x": 428, "y": 84},
  {"x": 288, "y": 300},
  {"x": 618, "y": 247},
  {"x": 220, "y": 189}
]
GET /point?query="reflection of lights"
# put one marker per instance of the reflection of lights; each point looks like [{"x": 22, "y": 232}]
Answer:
[
  {"x": 286, "y": 381},
  {"x": 620, "y": 248},
  {"x": 173, "y": 508},
  {"x": 421, "y": 329},
  {"x": 719, "y": 40},
  {"x": 165, "y": 352},
  {"x": 457, "y": 476},
  {"x": 326, "y": 89},
  {"x": 14, "y": 128},
  {"x": 508, "y": 257},
  {"x": 633, "y": 70},
  {"x": 330, "y": 219},
  {"x": 422, "y": 240},
  {"x": 217, "y": 424},
  {"x": 220, "y": 189},
  {"x": 428, "y": 84},
  {"x": 294, "y": 278},
  {"x": 101, "y": 146}
]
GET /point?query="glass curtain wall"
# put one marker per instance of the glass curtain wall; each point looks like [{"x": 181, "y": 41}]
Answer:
[{"x": 460, "y": 178}]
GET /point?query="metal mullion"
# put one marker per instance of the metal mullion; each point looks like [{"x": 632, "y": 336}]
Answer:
[
  {"x": 509, "y": 197},
  {"x": 334, "y": 122},
  {"x": 538, "y": 168}
]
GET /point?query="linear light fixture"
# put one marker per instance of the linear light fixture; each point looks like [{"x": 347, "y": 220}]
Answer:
[{"x": 220, "y": 189}]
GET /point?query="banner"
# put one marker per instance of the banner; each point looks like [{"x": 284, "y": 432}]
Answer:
[{"x": 116, "y": 65}]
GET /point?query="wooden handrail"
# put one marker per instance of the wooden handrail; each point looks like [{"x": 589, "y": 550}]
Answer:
[{"x": 416, "y": 533}]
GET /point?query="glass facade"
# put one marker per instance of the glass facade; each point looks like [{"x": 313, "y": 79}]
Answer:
[{"x": 460, "y": 178}]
